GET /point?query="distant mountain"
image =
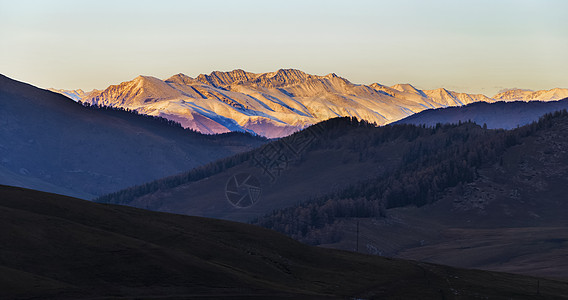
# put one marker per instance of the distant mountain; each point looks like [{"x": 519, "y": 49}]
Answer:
[
  {"x": 51, "y": 143},
  {"x": 274, "y": 104},
  {"x": 450, "y": 98},
  {"x": 56, "y": 247},
  {"x": 528, "y": 95},
  {"x": 504, "y": 115},
  {"x": 76, "y": 95}
]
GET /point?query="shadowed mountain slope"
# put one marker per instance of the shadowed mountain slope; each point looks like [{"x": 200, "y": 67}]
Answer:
[
  {"x": 315, "y": 161},
  {"x": 409, "y": 186},
  {"x": 51, "y": 143},
  {"x": 334, "y": 155},
  {"x": 56, "y": 247},
  {"x": 487, "y": 199},
  {"x": 504, "y": 115}
]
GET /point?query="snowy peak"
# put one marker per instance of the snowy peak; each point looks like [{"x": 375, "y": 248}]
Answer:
[
  {"x": 146, "y": 81},
  {"x": 385, "y": 90},
  {"x": 181, "y": 79},
  {"x": 443, "y": 96},
  {"x": 278, "y": 79},
  {"x": 76, "y": 95},
  {"x": 441, "y": 92},
  {"x": 219, "y": 79},
  {"x": 377, "y": 85},
  {"x": 513, "y": 95},
  {"x": 528, "y": 95},
  {"x": 331, "y": 75},
  {"x": 408, "y": 88},
  {"x": 450, "y": 98},
  {"x": 281, "y": 78},
  {"x": 551, "y": 95},
  {"x": 135, "y": 93}
]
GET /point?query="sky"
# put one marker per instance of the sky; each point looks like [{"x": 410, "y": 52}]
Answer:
[{"x": 467, "y": 46}]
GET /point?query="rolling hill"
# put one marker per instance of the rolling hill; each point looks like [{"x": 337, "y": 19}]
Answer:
[
  {"x": 409, "y": 186},
  {"x": 316, "y": 161},
  {"x": 50, "y": 143},
  {"x": 487, "y": 199},
  {"x": 320, "y": 160},
  {"x": 498, "y": 115},
  {"x": 56, "y": 247}
]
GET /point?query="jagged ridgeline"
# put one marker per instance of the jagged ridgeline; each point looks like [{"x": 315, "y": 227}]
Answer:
[{"x": 276, "y": 104}]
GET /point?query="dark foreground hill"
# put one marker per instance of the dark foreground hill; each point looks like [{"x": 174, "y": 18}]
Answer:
[
  {"x": 53, "y": 246},
  {"x": 49, "y": 142}
]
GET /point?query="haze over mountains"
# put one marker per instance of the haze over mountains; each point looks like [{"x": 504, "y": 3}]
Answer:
[{"x": 278, "y": 103}]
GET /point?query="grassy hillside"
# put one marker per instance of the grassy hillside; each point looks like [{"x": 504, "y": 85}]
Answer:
[
  {"x": 424, "y": 193},
  {"x": 59, "y": 247},
  {"x": 333, "y": 156},
  {"x": 49, "y": 142},
  {"x": 511, "y": 216},
  {"x": 437, "y": 160}
]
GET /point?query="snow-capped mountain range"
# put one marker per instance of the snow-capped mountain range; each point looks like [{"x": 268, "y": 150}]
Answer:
[
  {"x": 77, "y": 95},
  {"x": 528, "y": 95},
  {"x": 279, "y": 103}
]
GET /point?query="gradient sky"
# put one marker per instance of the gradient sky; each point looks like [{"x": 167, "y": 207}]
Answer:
[{"x": 469, "y": 46}]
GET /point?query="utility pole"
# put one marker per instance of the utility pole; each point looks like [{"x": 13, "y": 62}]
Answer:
[{"x": 357, "y": 237}]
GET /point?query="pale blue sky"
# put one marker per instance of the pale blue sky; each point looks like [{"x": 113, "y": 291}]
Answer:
[{"x": 471, "y": 46}]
